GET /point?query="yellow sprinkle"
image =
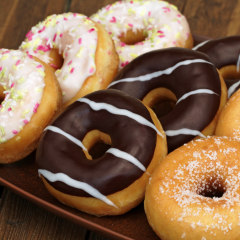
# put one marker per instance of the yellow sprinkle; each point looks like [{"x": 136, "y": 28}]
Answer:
[
  {"x": 27, "y": 45},
  {"x": 92, "y": 55},
  {"x": 21, "y": 103},
  {"x": 58, "y": 71},
  {"x": 24, "y": 113},
  {"x": 65, "y": 77},
  {"x": 2, "y": 109},
  {"x": 167, "y": 26},
  {"x": 122, "y": 58},
  {"x": 142, "y": 13},
  {"x": 177, "y": 35},
  {"x": 3, "y": 140},
  {"x": 2, "y": 130},
  {"x": 79, "y": 54},
  {"x": 6, "y": 56},
  {"x": 132, "y": 47},
  {"x": 41, "y": 52},
  {"x": 151, "y": 20},
  {"x": 38, "y": 89},
  {"x": 174, "y": 7},
  {"x": 53, "y": 22},
  {"x": 36, "y": 42},
  {"x": 92, "y": 46},
  {"x": 133, "y": 55},
  {"x": 18, "y": 138},
  {"x": 14, "y": 57},
  {"x": 15, "y": 67},
  {"x": 2, "y": 73},
  {"x": 145, "y": 22},
  {"x": 41, "y": 72},
  {"x": 21, "y": 128},
  {"x": 21, "y": 80}
]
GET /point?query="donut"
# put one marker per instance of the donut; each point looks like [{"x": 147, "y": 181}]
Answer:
[
  {"x": 141, "y": 26},
  {"x": 225, "y": 55},
  {"x": 114, "y": 183},
  {"x": 194, "y": 193},
  {"x": 80, "y": 52},
  {"x": 184, "y": 77},
  {"x": 32, "y": 98}
]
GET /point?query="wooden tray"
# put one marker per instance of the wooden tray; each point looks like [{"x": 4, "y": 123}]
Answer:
[{"x": 22, "y": 178}]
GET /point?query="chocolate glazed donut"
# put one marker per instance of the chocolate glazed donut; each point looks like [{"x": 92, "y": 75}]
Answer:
[
  {"x": 224, "y": 52},
  {"x": 61, "y": 155},
  {"x": 193, "y": 81}
]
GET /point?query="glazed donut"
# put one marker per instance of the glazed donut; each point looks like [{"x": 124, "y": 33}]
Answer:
[
  {"x": 90, "y": 60},
  {"x": 142, "y": 26},
  {"x": 225, "y": 55},
  {"x": 32, "y": 98},
  {"x": 188, "y": 80},
  {"x": 195, "y": 190},
  {"x": 114, "y": 183}
]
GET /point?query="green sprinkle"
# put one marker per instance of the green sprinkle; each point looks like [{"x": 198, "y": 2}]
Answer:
[
  {"x": 41, "y": 72},
  {"x": 2, "y": 130},
  {"x": 65, "y": 77},
  {"x": 21, "y": 80},
  {"x": 18, "y": 138},
  {"x": 24, "y": 113}
]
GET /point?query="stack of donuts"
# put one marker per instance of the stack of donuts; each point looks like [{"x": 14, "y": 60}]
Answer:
[{"x": 78, "y": 81}]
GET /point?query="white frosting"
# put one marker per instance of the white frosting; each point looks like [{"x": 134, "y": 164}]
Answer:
[
  {"x": 110, "y": 108},
  {"x": 70, "y": 137},
  {"x": 23, "y": 81},
  {"x": 199, "y": 45},
  {"x": 184, "y": 131},
  {"x": 126, "y": 156},
  {"x": 76, "y": 38},
  {"x": 199, "y": 91},
  {"x": 53, "y": 177},
  {"x": 167, "y": 71},
  {"x": 161, "y": 22},
  {"x": 233, "y": 88}
]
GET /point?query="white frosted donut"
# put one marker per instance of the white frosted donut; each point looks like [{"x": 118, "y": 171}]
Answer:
[
  {"x": 76, "y": 39},
  {"x": 194, "y": 193},
  {"x": 159, "y": 22},
  {"x": 25, "y": 82}
]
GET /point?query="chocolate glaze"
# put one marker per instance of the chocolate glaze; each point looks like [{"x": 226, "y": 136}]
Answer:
[
  {"x": 196, "y": 111},
  {"x": 222, "y": 51},
  {"x": 107, "y": 174}
]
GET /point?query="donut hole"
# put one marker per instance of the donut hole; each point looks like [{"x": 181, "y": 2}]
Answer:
[
  {"x": 97, "y": 143},
  {"x": 131, "y": 38},
  {"x": 212, "y": 188},
  {"x": 2, "y": 95},
  {"x": 56, "y": 59},
  {"x": 230, "y": 75},
  {"x": 161, "y": 101}
]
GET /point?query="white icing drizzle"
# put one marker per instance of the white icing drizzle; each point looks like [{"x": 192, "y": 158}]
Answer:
[
  {"x": 110, "y": 108},
  {"x": 70, "y": 137},
  {"x": 238, "y": 63},
  {"x": 232, "y": 88},
  {"x": 167, "y": 71},
  {"x": 126, "y": 156},
  {"x": 199, "y": 45},
  {"x": 184, "y": 131},
  {"x": 195, "y": 92},
  {"x": 53, "y": 177}
]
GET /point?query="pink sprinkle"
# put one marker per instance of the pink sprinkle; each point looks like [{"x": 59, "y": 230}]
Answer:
[
  {"x": 5, "y": 52},
  {"x": 61, "y": 35},
  {"x": 25, "y": 121},
  {"x": 124, "y": 64},
  {"x": 70, "y": 63},
  {"x": 131, "y": 2},
  {"x": 14, "y": 132},
  {"x": 130, "y": 25},
  {"x": 109, "y": 52},
  {"x": 166, "y": 9},
  {"x": 74, "y": 14},
  {"x": 72, "y": 70},
  {"x": 161, "y": 36},
  {"x": 0, "y": 106},
  {"x": 91, "y": 70},
  {"x": 179, "y": 15},
  {"x": 39, "y": 66},
  {"x": 174, "y": 42},
  {"x": 0, "y": 68},
  {"x": 79, "y": 40},
  {"x": 46, "y": 39},
  {"x": 35, "y": 51},
  {"x": 108, "y": 7},
  {"x": 65, "y": 19},
  {"x": 12, "y": 85},
  {"x": 160, "y": 31},
  {"x": 35, "y": 107},
  {"x": 30, "y": 56},
  {"x": 53, "y": 65},
  {"x": 109, "y": 33},
  {"x": 42, "y": 29},
  {"x": 113, "y": 20},
  {"x": 186, "y": 34},
  {"x": 57, "y": 22},
  {"x": 122, "y": 44},
  {"x": 91, "y": 30},
  {"x": 9, "y": 109},
  {"x": 149, "y": 14},
  {"x": 54, "y": 37}
]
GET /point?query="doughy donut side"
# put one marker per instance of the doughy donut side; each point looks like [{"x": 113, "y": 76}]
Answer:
[
  {"x": 126, "y": 199},
  {"x": 106, "y": 61},
  {"x": 173, "y": 196},
  {"x": 27, "y": 139}
]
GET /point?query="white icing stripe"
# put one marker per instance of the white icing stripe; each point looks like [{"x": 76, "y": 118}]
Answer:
[
  {"x": 199, "y": 45},
  {"x": 184, "y": 131},
  {"x": 118, "y": 153},
  {"x": 70, "y": 137},
  {"x": 110, "y": 108},
  {"x": 232, "y": 88},
  {"x": 238, "y": 63},
  {"x": 195, "y": 92},
  {"x": 167, "y": 71},
  {"x": 53, "y": 177}
]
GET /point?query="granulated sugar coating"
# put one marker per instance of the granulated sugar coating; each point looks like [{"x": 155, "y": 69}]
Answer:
[{"x": 195, "y": 192}]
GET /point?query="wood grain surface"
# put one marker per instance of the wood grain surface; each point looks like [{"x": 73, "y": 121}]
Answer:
[{"x": 20, "y": 219}]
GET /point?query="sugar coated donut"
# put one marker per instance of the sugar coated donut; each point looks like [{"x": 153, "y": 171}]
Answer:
[
  {"x": 186, "y": 78},
  {"x": 225, "y": 55},
  {"x": 32, "y": 99},
  {"x": 115, "y": 182},
  {"x": 194, "y": 193},
  {"x": 90, "y": 59},
  {"x": 142, "y": 26}
]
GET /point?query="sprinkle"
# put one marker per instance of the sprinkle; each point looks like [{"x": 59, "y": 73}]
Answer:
[
  {"x": 18, "y": 138},
  {"x": 9, "y": 109},
  {"x": 149, "y": 14},
  {"x": 2, "y": 130},
  {"x": 25, "y": 121},
  {"x": 39, "y": 66},
  {"x": 42, "y": 29},
  {"x": 12, "y": 85},
  {"x": 133, "y": 55},
  {"x": 24, "y": 113},
  {"x": 53, "y": 65},
  {"x": 108, "y": 7},
  {"x": 72, "y": 70},
  {"x": 14, "y": 132},
  {"x": 61, "y": 35},
  {"x": 5, "y": 57},
  {"x": 79, "y": 54},
  {"x": 79, "y": 40},
  {"x": 74, "y": 14},
  {"x": 35, "y": 107},
  {"x": 91, "y": 70},
  {"x": 41, "y": 72},
  {"x": 91, "y": 30},
  {"x": 54, "y": 38},
  {"x": 0, "y": 69},
  {"x": 166, "y": 9},
  {"x": 17, "y": 63},
  {"x": 130, "y": 25},
  {"x": 65, "y": 77},
  {"x": 21, "y": 80},
  {"x": 70, "y": 63},
  {"x": 65, "y": 19},
  {"x": 113, "y": 20}
]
